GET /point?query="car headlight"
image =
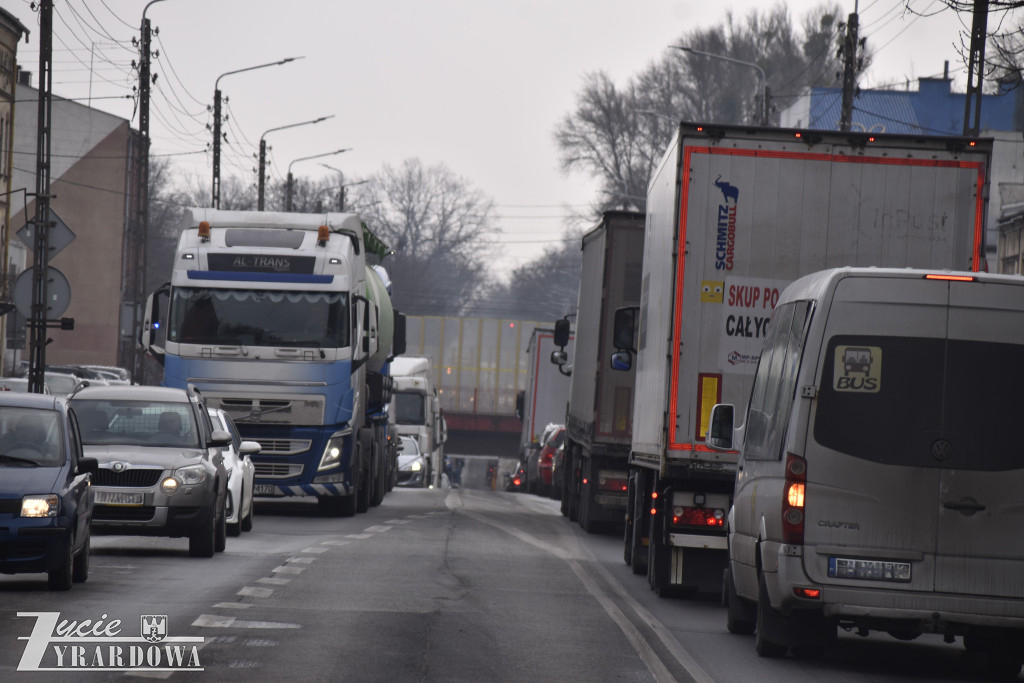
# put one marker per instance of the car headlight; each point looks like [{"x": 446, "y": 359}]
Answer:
[
  {"x": 190, "y": 474},
  {"x": 169, "y": 486},
  {"x": 40, "y": 506},
  {"x": 414, "y": 466},
  {"x": 334, "y": 450}
]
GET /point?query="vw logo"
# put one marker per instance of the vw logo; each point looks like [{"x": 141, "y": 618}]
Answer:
[
  {"x": 942, "y": 450},
  {"x": 119, "y": 466}
]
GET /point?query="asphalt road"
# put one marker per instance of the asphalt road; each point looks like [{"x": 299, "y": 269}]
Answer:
[{"x": 461, "y": 584}]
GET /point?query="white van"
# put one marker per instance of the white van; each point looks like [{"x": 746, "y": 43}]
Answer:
[{"x": 880, "y": 484}]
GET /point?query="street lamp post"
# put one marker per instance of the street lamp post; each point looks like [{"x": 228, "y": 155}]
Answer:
[
  {"x": 760, "y": 75},
  {"x": 288, "y": 194},
  {"x": 215, "y": 202},
  {"x": 342, "y": 185},
  {"x": 263, "y": 154}
]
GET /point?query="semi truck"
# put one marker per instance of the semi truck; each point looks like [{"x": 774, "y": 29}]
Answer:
[
  {"x": 599, "y": 418},
  {"x": 285, "y": 322},
  {"x": 416, "y": 410},
  {"x": 544, "y": 400},
  {"x": 734, "y": 214}
]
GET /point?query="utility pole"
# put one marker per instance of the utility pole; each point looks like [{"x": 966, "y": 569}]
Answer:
[
  {"x": 145, "y": 82},
  {"x": 976, "y": 69},
  {"x": 850, "y": 63},
  {"x": 41, "y": 237}
]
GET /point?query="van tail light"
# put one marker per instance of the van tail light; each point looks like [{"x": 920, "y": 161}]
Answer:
[
  {"x": 793, "y": 499},
  {"x": 705, "y": 518}
]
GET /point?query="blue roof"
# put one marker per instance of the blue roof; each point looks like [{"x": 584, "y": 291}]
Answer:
[{"x": 931, "y": 110}]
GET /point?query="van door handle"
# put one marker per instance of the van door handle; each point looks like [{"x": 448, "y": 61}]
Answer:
[{"x": 967, "y": 506}]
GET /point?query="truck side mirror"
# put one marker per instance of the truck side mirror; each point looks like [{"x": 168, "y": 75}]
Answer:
[
  {"x": 562, "y": 331},
  {"x": 520, "y": 404},
  {"x": 559, "y": 358},
  {"x": 624, "y": 328},
  {"x": 153, "y": 335},
  {"x": 720, "y": 429},
  {"x": 622, "y": 361},
  {"x": 398, "y": 342}
]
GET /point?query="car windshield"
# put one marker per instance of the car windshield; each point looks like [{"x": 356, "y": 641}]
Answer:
[
  {"x": 253, "y": 317},
  {"x": 408, "y": 446},
  {"x": 136, "y": 423},
  {"x": 30, "y": 437}
]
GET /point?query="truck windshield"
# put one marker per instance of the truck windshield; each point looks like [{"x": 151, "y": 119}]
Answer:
[
  {"x": 409, "y": 409},
  {"x": 254, "y": 317}
]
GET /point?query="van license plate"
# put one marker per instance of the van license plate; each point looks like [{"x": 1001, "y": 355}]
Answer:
[
  {"x": 117, "y": 498},
  {"x": 870, "y": 570}
]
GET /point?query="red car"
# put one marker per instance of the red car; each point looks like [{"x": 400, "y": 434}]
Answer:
[{"x": 539, "y": 465}]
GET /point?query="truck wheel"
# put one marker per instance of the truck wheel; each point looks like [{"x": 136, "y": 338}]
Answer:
[
  {"x": 741, "y": 615},
  {"x": 638, "y": 551},
  {"x": 585, "y": 522},
  {"x": 337, "y": 506},
  {"x": 766, "y": 633}
]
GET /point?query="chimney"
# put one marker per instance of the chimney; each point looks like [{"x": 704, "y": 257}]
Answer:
[
  {"x": 24, "y": 77},
  {"x": 945, "y": 70}
]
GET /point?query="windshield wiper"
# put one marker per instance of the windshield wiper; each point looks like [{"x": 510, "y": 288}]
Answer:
[{"x": 13, "y": 458}]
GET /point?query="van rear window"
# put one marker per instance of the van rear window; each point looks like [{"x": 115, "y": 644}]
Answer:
[{"x": 923, "y": 402}]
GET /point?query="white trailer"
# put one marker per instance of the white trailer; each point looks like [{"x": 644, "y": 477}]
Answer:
[
  {"x": 544, "y": 400},
  {"x": 416, "y": 411},
  {"x": 733, "y": 216}
]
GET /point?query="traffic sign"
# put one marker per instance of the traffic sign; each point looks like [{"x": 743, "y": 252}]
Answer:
[
  {"x": 58, "y": 293},
  {"x": 60, "y": 234}
]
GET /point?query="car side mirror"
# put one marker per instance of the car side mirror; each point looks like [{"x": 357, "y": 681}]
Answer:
[
  {"x": 220, "y": 438},
  {"x": 249, "y": 448},
  {"x": 720, "y": 429},
  {"x": 88, "y": 465}
]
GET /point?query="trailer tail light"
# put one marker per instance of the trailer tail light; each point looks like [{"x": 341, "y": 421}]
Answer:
[
  {"x": 809, "y": 593},
  {"x": 204, "y": 231},
  {"x": 793, "y": 499},
  {"x": 612, "y": 482},
  {"x": 706, "y": 518}
]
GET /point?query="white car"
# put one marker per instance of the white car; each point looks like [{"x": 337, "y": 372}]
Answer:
[
  {"x": 241, "y": 473},
  {"x": 412, "y": 467}
]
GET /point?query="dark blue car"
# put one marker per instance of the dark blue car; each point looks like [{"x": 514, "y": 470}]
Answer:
[{"x": 46, "y": 497}]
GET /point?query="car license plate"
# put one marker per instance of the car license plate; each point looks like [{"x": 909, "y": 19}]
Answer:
[
  {"x": 118, "y": 498},
  {"x": 265, "y": 490}
]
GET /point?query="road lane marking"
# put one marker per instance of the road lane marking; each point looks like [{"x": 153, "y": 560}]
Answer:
[
  {"x": 336, "y": 542},
  {"x": 233, "y": 605},
  {"x": 273, "y": 581},
  {"x": 376, "y": 529},
  {"x": 315, "y": 550},
  {"x": 256, "y": 592},
  {"x": 359, "y": 536},
  {"x": 302, "y": 560},
  {"x": 215, "y": 621}
]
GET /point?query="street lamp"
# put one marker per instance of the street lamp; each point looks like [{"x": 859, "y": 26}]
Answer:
[
  {"x": 342, "y": 185},
  {"x": 760, "y": 75},
  {"x": 215, "y": 203},
  {"x": 263, "y": 153},
  {"x": 288, "y": 194}
]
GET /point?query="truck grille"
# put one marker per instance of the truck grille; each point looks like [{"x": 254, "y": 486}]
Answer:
[
  {"x": 283, "y": 446},
  {"x": 138, "y": 478},
  {"x": 275, "y": 470},
  {"x": 307, "y": 410}
]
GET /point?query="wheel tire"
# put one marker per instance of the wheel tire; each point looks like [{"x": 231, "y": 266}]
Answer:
[
  {"x": 220, "y": 540},
  {"x": 337, "y": 506},
  {"x": 246, "y": 523},
  {"x": 763, "y": 642},
  {"x": 740, "y": 615},
  {"x": 235, "y": 529},
  {"x": 61, "y": 577},
  {"x": 203, "y": 542},
  {"x": 80, "y": 565}
]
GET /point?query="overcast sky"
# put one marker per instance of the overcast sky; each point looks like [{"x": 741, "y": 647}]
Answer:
[{"x": 478, "y": 85}]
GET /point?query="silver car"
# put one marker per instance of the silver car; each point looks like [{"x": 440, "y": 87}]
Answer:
[{"x": 161, "y": 464}]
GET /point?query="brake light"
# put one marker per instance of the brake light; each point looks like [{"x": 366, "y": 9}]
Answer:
[
  {"x": 947, "y": 276},
  {"x": 517, "y": 481},
  {"x": 793, "y": 501},
  {"x": 811, "y": 593}
]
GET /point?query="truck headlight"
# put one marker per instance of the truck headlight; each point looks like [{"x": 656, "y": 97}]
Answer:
[
  {"x": 191, "y": 474},
  {"x": 40, "y": 506},
  {"x": 334, "y": 450}
]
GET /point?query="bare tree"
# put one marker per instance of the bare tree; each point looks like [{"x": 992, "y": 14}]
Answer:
[
  {"x": 617, "y": 134},
  {"x": 438, "y": 227}
]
